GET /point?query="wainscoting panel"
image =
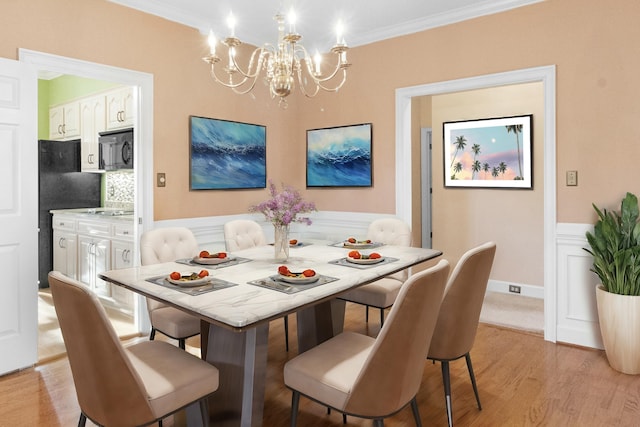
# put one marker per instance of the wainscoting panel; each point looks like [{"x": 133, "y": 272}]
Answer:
[
  {"x": 577, "y": 311},
  {"x": 326, "y": 225}
]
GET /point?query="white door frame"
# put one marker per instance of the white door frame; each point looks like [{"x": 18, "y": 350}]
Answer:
[
  {"x": 143, "y": 134},
  {"x": 546, "y": 75}
]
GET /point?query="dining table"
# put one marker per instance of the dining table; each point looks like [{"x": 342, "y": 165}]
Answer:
[{"x": 245, "y": 291}]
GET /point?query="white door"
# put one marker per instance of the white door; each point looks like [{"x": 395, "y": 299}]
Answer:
[{"x": 18, "y": 216}]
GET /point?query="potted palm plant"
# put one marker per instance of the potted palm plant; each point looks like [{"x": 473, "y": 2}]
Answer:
[{"x": 615, "y": 247}]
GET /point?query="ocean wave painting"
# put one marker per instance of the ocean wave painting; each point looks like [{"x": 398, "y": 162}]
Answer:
[
  {"x": 227, "y": 155},
  {"x": 339, "y": 157}
]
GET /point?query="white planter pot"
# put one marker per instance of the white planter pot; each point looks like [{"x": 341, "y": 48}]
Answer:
[{"x": 619, "y": 317}]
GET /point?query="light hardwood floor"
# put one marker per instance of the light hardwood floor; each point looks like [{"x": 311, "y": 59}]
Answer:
[{"x": 523, "y": 381}]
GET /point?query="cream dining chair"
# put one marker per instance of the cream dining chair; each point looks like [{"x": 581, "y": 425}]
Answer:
[
  {"x": 242, "y": 234},
  {"x": 457, "y": 324},
  {"x": 129, "y": 386},
  {"x": 164, "y": 245},
  {"x": 382, "y": 293},
  {"x": 374, "y": 377}
]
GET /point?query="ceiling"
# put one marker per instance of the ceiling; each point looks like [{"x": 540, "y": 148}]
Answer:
[{"x": 364, "y": 21}]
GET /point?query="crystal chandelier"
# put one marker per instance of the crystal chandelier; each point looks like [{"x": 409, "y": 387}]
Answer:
[{"x": 282, "y": 64}]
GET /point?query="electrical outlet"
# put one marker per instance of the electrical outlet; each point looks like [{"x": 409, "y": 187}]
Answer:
[
  {"x": 515, "y": 289},
  {"x": 161, "y": 179},
  {"x": 572, "y": 178}
]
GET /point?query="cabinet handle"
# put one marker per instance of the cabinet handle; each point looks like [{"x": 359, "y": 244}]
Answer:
[
  {"x": 125, "y": 255},
  {"x": 60, "y": 129},
  {"x": 64, "y": 128},
  {"x": 90, "y": 159},
  {"x": 61, "y": 243},
  {"x": 125, "y": 232}
]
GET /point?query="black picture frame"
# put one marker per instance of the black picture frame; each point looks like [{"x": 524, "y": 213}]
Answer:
[{"x": 489, "y": 153}]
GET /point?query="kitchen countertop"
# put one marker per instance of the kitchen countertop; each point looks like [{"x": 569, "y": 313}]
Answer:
[{"x": 97, "y": 213}]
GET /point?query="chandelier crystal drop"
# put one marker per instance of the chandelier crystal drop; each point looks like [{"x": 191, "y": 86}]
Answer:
[{"x": 282, "y": 64}]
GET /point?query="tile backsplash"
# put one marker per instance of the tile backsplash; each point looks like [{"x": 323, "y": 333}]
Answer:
[{"x": 119, "y": 189}]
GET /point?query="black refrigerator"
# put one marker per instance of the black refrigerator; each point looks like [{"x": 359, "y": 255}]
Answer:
[{"x": 61, "y": 185}]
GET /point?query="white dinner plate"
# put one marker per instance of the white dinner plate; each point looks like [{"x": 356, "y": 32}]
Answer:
[
  {"x": 187, "y": 282},
  {"x": 299, "y": 280},
  {"x": 358, "y": 245},
  {"x": 365, "y": 260},
  {"x": 212, "y": 261}
]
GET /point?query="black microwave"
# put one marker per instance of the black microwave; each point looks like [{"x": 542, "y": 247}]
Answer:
[{"x": 116, "y": 149}]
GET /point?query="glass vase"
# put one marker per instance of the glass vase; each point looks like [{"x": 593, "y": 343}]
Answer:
[{"x": 281, "y": 242}]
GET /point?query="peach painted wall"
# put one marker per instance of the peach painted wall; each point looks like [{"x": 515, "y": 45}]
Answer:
[{"x": 592, "y": 43}]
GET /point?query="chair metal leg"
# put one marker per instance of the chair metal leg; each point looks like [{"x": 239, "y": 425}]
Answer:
[
  {"x": 295, "y": 400},
  {"x": 286, "y": 332},
  {"x": 82, "y": 422},
  {"x": 378, "y": 422},
  {"x": 181, "y": 343},
  {"x": 447, "y": 391},
  {"x": 366, "y": 314},
  {"x": 381, "y": 317},
  {"x": 159, "y": 423},
  {"x": 344, "y": 416},
  {"x": 416, "y": 411},
  {"x": 473, "y": 379},
  {"x": 152, "y": 335}
]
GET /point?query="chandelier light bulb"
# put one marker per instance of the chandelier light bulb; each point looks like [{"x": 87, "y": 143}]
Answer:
[
  {"x": 231, "y": 22},
  {"x": 292, "y": 21},
  {"x": 339, "y": 33},
  {"x": 317, "y": 59},
  {"x": 212, "y": 43}
]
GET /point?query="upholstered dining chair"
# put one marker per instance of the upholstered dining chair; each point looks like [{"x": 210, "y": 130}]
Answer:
[
  {"x": 164, "y": 245},
  {"x": 382, "y": 293},
  {"x": 374, "y": 377},
  {"x": 242, "y": 234},
  {"x": 457, "y": 324},
  {"x": 125, "y": 386}
]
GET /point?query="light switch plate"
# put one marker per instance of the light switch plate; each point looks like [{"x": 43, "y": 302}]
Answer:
[
  {"x": 572, "y": 178},
  {"x": 161, "y": 179}
]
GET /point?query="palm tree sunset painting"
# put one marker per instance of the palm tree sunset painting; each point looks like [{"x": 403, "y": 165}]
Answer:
[{"x": 494, "y": 153}]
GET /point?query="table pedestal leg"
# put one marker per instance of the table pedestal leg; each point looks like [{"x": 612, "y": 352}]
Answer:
[
  {"x": 241, "y": 358},
  {"x": 318, "y": 323}
]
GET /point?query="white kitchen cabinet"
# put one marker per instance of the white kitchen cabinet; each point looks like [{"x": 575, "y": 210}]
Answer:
[
  {"x": 65, "y": 253},
  {"x": 94, "y": 254},
  {"x": 94, "y": 257},
  {"x": 64, "y": 121},
  {"x": 122, "y": 257},
  {"x": 93, "y": 119},
  {"x": 120, "y": 108},
  {"x": 95, "y": 243}
]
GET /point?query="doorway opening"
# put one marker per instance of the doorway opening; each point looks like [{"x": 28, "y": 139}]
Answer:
[
  {"x": 545, "y": 75},
  {"x": 142, "y": 85}
]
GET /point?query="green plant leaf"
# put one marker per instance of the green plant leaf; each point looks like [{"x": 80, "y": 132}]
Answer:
[{"x": 615, "y": 247}]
